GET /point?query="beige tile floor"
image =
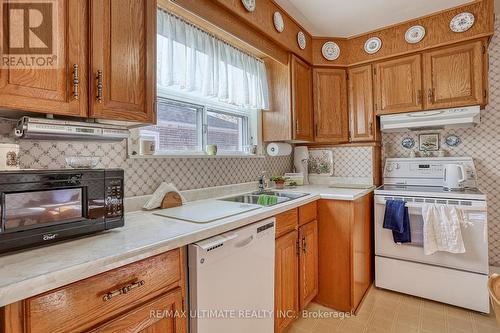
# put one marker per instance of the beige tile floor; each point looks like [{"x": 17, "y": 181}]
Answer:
[{"x": 385, "y": 311}]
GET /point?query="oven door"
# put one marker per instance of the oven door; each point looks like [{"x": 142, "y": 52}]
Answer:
[{"x": 475, "y": 258}]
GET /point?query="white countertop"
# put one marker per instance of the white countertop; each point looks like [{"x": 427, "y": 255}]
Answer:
[{"x": 31, "y": 272}]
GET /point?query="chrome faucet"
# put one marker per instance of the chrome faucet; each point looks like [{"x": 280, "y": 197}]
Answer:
[{"x": 262, "y": 182}]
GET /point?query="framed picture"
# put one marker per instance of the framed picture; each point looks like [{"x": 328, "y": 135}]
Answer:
[{"x": 428, "y": 142}]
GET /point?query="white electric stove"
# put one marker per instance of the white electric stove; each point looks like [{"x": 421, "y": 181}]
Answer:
[{"x": 457, "y": 279}]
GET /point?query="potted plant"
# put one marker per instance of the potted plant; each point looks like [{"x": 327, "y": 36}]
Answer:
[{"x": 279, "y": 181}]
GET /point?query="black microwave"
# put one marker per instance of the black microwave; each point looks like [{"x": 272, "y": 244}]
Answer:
[{"x": 39, "y": 207}]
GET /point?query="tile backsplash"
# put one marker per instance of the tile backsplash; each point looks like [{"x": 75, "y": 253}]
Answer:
[
  {"x": 143, "y": 175},
  {"x": 481, "y": 143},
  {"x": 351, "y": 162}
]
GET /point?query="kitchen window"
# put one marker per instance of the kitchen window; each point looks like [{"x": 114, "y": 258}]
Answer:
[
  {"x": 187, "y": 128},
  {"x": 209, "y": 92}
]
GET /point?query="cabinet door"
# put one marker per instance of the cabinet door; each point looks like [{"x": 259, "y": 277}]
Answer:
[
  {"x": 454, "y": 76},
  {"x": 398, "y": 85},
  {"x": 302, "y": 100},
  {"x": 330, "y": 105},
  {"x": 286, "y": 281},
  {"x": 123, "y": 60},
  {"x": 308, "y": 263},
  {"x": 61, "y": 88},
  {"x": 362, "y": 257},
  {"x": 362, "y": 119},
  {"x": 162, "y": 315}
]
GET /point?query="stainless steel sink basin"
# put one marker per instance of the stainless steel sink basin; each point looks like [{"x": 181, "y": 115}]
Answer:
[
  {"x": 253, "y": 198},
  {"x": 290, "y": 195}
]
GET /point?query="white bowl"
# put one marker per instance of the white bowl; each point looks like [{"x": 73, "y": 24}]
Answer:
[{"x": 82, "y": 162}]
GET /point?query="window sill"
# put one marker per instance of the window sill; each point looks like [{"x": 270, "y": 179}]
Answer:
[{"x": 195, "y": 156}]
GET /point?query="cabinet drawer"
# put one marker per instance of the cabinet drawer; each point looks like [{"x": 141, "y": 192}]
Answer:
[
  {"x": 82, "y": 305},
  {"x": 308, "y": 213},
  {"x": 158, "y": 315},
  {"x": 286, "y": 222}
]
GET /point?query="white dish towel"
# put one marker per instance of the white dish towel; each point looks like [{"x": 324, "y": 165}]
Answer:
[
  {"x": 157, "y": 197},
  {"x": 442, "y": 229}
]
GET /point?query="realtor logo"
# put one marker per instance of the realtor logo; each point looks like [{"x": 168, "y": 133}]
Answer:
[{"x": 28, "y": 34}]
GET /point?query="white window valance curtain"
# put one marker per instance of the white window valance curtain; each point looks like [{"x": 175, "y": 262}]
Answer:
[{"x": 192, "y": 60}]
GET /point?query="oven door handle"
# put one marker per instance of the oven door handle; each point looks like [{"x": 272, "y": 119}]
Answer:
[{"x": 462, "y": 207}]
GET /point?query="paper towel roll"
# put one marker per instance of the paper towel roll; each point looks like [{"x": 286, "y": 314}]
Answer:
[{"x": 279, "y": 149}]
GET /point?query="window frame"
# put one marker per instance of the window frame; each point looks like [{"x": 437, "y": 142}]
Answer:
[{"x": 250, "y": 119}]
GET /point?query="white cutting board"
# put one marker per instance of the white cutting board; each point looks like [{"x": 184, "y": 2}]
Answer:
[{"x": 208, "y": 211}]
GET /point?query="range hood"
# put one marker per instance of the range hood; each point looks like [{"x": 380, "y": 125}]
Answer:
[
  {"x": 435, "y": 119},
  {"x": 51, "y": 129}
]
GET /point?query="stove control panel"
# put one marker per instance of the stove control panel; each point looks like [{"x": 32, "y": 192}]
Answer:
[{"x": 425, "y": 171}]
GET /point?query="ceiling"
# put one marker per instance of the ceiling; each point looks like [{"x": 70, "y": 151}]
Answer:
[{"x": 341, "y": 18}]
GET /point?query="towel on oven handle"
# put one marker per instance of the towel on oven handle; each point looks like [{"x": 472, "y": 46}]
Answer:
[
  {"x": 442, "y": 229},
  {"x": 397, "y": 219}
]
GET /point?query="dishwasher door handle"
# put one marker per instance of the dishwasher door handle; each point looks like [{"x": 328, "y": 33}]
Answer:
[{"x": 244, "y": 242}]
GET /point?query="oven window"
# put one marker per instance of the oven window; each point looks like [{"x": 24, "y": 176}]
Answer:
[{"x": 29, "y": 209}]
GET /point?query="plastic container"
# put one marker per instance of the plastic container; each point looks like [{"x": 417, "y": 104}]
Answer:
[{"x": 494, "y": 289}]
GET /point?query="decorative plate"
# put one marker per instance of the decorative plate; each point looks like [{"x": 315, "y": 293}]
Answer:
[
  {"x": 278, "y": 22},
  {"x": 452, "y": 140},
  {"x": 249, "y": 5},
  {"x": 415, "y": 34},
  {"x": 330, "y": 50},
  {"x": 462, "y": 22},
  {"x": 408, "y": 143},
  {"x": 301, "y": 39},
  {"x": 373, "y": 45}
]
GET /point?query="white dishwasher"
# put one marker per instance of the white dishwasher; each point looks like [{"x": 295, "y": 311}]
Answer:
[{"x": 231, "y": 281}]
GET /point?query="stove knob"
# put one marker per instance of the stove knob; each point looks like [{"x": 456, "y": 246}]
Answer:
[
  {"x": 389, "y": 167},
  {"x": 397, "y": 166}
]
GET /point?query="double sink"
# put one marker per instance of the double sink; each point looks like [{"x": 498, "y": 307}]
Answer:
[{"x": 256, "y": 198}]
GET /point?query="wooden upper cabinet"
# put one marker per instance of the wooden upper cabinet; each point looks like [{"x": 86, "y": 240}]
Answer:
[
  {"x": 308, "y": 263},
  {"x": 123, "y": 37},
  {"x": 286, "y": 300},
  {"x": 398, "y": 85},
  {"x": 302, "y": 100},
  {"x": 330, "y": 105},
  {"x": 453, "y": 76},
  {"x": 63, "y": 88},
  {"x": 362, "y": 119}
]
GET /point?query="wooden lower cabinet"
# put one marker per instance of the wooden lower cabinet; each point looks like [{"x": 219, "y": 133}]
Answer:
[
  {"x": 345, "y": 252},
  {"x": 101, "y": 303},
  {"x": 286, "y": 300},
  {"x": 308, "y": 263},
  {"x": 161, "y": 315},
  {"x": 296, "y": 264}
]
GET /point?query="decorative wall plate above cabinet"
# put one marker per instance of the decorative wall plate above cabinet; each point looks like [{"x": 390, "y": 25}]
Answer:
[
  {"x": 330, "y": 51},
  {"x": 415, "y": 34},
  {"x": 278, "y": 22},
  {"x": 462, "y": 22},
  {"x": 249, "y": 4},
  {"x": 301, "y": 39},
  {"x": 373, "y": 45}
]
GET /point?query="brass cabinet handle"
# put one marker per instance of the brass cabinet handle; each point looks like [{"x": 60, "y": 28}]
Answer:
[
  {"x": 304, "y": 245},
  {"x": 419, "y": 96},
  {"x": 99, "y": 86},
  {"x": 297, "y": 126},
  {"x": 76, "y": 82},
  {"x": 108, "y": 296},
  {"x": 370, "y": 126}
]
